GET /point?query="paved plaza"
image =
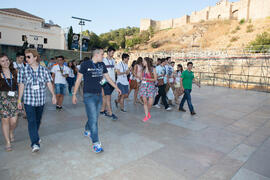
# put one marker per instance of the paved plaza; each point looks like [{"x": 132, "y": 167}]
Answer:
[{"x": 229, "y": 138}]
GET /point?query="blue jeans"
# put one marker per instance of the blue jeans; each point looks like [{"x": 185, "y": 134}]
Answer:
[
  {"x": 70, "y": 82},
  {"x": 93, "y": 104},
  {"x": 34, "y": 115},
  {"x": 187, "y": 97}
]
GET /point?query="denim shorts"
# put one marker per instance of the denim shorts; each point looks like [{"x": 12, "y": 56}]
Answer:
[
  {"x": 60, "y": 89},
  {"x": 108, "y": 89},
  {"x": 124, "y": 88}
]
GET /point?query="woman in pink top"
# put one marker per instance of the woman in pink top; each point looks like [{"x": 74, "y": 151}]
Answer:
[{"x": 148, "y": 90}]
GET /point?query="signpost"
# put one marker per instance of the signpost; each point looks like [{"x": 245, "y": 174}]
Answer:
[{"x": 82, "y": 23}]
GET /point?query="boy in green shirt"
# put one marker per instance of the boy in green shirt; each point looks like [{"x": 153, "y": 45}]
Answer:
[{"x": 187, "y": 78}]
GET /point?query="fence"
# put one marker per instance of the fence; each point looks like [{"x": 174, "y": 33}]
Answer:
[{"x": 248, "y": 82}]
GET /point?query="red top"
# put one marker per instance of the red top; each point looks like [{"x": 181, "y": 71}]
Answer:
[{"x": 147, "y": 76}]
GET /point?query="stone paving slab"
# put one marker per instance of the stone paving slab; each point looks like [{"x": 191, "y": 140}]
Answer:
[
  {"x": 242, "y": 152},
  {"x": 259, "y": 161},
  {"x": 223, "y": 170},
  {"x": 244, "y": 174}
]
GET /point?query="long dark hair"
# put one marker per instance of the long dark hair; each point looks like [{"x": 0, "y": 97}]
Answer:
[
  {"x": 73, "y": 67},
  {"x": 150, "y": 66},
  {"x": 180, "y": 65},
  {"x": 11, "y": 67},
  {"x": 139, "y": 60},
  {"x": 133, "y": 64}
]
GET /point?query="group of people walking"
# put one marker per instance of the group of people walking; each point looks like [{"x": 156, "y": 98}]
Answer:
[{"x": 25, "y": 88}]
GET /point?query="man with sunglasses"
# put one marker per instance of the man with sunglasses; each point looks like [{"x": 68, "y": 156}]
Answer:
[{"x": 32, "y": 80}]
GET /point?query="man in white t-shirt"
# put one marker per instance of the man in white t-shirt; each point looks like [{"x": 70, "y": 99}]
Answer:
[
  {"x": 60, "y": 73},
  {"x": 19, "y": 61},
  {"x": 107, "y": 89},
  {"x": 122, "y": 81}
]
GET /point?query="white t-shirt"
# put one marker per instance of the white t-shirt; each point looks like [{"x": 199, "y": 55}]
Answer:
[
  {"x": 122, "y": 67},
  {"x": 59, "y": 79},
  {"x": 110, "y": 65},
  {"x": 18, "y": 66},
  {"x": 71, "y": 73}
]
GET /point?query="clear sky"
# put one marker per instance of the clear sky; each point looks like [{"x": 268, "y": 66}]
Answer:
[{"x": 106, "y": 15}]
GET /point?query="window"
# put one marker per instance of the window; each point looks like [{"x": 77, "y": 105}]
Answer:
[
  {"x": 45, "y": 40},
  {"x": 23, "y": 37}
]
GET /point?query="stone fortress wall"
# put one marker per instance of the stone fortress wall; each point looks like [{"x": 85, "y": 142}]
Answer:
[{"x": 224, "y": 10}]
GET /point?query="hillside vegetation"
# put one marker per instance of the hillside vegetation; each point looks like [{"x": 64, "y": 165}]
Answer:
[{"x": 211, "y": 35}]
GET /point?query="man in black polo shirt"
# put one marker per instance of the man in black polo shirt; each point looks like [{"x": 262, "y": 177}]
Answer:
[{"x": 94, "y": 73}]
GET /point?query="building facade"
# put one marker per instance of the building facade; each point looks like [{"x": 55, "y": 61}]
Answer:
[
  {"x": 17, "y": 25},
  {"x": 243, "y": 9}
]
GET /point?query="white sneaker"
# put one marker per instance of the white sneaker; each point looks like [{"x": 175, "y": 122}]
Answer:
[
  {"x": 35, "y": 148},
  {"x": 168, "y": 109},
  {"x": 97, "y": 148},
  {"x": 157, "y": 106}
]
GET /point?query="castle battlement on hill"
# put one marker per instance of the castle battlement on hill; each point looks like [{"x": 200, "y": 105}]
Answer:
[{"x": 224, "y": 10}]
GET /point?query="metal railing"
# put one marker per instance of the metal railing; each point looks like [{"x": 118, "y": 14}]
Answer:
[{"x": 248, "y": 82}]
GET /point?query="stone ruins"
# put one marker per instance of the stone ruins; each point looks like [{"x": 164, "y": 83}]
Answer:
[{"x": 224, "y": 10}]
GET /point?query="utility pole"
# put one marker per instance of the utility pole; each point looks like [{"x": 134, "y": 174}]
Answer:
[{"x": 81, "y": 23}]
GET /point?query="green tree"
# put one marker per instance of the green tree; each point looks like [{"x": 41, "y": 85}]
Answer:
[
  {"x": 70, "y": 34},
  {"x": 261, "y": 43},
  {"x": 145, "y": 36},
  {"x": 94, "y": 41}
]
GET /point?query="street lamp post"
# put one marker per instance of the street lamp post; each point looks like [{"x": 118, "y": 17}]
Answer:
[{"x": 81, "y": 23}]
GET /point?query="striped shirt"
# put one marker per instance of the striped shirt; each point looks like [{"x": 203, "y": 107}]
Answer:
[{"x": 34, "y": 84}]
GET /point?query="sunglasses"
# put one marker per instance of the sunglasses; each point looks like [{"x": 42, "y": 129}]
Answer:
[{"x": 28, "y": 57}]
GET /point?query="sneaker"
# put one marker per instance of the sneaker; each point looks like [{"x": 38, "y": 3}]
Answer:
[
  {"x": 193, "y": 113},
  {"x": 123, "y": 110},
  {"x": 157, "y": 106},
  {"x": 103, "y": 113},
  {"x": 146, "y": 118},
  {"x": 113, "y": 116},
  {"x": 35, "y": 148},
  {"x": 58, "y": 107},
  {"x": 70, "y": 94},
  {"x": 87, "y": 134},
  {"x": 168, "y": 108},
  {"x": 97, "y": 148},
  {"x": 182, "y": 109}
]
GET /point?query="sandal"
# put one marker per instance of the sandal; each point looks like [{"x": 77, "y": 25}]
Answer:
[{"x": 8, "y": 149}]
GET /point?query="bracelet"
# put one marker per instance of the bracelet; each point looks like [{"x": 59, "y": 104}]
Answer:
[{"x": 19, "y": 101}]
